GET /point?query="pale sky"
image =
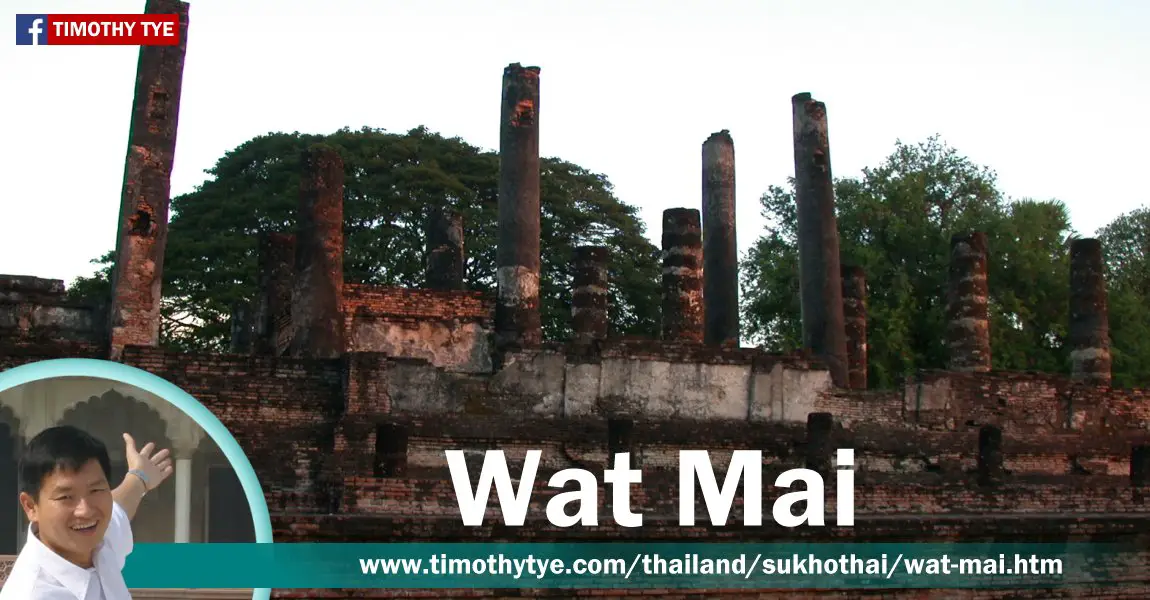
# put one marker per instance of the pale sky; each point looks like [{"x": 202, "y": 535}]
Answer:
[{"x": 1052, "y": 95}]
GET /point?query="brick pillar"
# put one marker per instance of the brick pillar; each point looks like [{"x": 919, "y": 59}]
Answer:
[
  {"x": 854, "y": 316},
  {"x": 142, "y": 231},
  {"x": 1140, "y": 466},
  {"x": 518, "y": 323},
  {"x": 365, "y": 382},
  {"x": 820, "y": 284},
  {"x": 682, "y": 276},
  {"x": 819, "y": 451},
  {"x": 589, "y": 297},
  {"x": 1089, "y": 313},
  {"x": 273, "y": 304},
  {"x": 967, "y": 308},
  {"x": 990, "y": 465},
  {"x": 446, "y": 261},
  {"x": 720, "y": 250},
  {"x": 317, "y": 298}
]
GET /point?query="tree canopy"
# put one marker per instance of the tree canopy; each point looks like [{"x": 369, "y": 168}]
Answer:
[
  {"x": 896, "y": 221},
  {"x": 1126, "y": 243},
  {"x": 392, "y": 183}
]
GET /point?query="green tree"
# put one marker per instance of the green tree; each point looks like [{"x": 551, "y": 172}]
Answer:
[
  {"x": 1126, "y": 247},
  {"x": 392, "y": 183},
  {"x": 896, "y": 222},
  {"x": 98, "y": 286}
]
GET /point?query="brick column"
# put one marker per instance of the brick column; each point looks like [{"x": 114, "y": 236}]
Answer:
[
  {"x": 518, "y": 323},
  {"x": 854, "y": 317},
  {"x": 1089, "y": 313},
  {"x": 365, "y": 380},
  {"x": 720, "y": 249},
  {"x": 820, "y": 286},
  {"x": 446, "y": 262},
  {"x": 967, "y": 308},
  {"x": 589, "y": 297},
  {"x": 682, "y": 276},
  {"x": 273, "y": 304},
  {"x": 317, "y": 298},
  {"x": 142, "y": 231}
]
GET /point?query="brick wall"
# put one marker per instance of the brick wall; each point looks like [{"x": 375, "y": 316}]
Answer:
[
  {"x": 448, "y": 329},
  {"x": 38, "y": 322},
  {"x": 310, "y": 429},
  {"x": 16, "y": 352},
  {"x": 1024, "y": 402},
  {"x": 416, "y": 304},
  {"x": 658, "y": 498},
  {"x": 281, "y": 411},
  {"x": 879, "y": 407}
]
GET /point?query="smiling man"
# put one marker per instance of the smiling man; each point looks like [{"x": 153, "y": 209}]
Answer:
[{"x": 80, "y": 533}]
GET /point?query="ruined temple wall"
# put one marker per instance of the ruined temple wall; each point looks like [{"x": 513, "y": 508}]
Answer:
[
  {"x": 286, "y": 414},
  {"x": 449, "y": 329},
  {"x": 884, "y": 408},
  {"x": 54, "y": 322},
  {"x": 653, "y": 380},
  {"x": 552, "y": 383},
  {"x": 278, "y": 414},
  {"x": 36, "y": 311},
  {"x": 70, "y": 322},
  {"x": 38, "y": 322},
  {"x": 906, "y": 455},
  {"x": 280, "y": 410},
  {"x": 954, "y": 453},
  {"x": 529, "y": 405},
  {"x": 657, "y": 497},
  {"x": 1023, "y": 402},
  {"x": 888, "y": 528},
  {"x": 16, "y": 351}
]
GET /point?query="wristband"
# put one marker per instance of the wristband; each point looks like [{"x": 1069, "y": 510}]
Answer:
[{"x": 143, "y": 478}]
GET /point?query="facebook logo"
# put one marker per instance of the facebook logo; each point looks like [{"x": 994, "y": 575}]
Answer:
[{"x": 31, "y": 30}]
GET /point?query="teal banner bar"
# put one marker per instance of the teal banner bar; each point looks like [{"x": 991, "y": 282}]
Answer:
[{"x": 628, "y": 565}]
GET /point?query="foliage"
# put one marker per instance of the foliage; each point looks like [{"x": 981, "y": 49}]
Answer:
[
  {"x": 98, "y": 286},
  {"x": 392, "y": 183},
  {"x": 1126, "y": 246},
  {"x": 896, "y": 222}
]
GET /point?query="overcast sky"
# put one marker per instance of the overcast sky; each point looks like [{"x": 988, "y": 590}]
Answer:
[{"x": 1052, "y": 95}]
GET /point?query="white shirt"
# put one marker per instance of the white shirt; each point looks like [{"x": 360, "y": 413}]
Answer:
[{"x": 41, "y": 574}]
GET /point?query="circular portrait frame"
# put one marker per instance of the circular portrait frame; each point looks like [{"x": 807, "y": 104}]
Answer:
[{"x": 121, "y": 373}]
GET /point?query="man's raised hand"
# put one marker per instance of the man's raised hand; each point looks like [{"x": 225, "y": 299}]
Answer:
[{"x": 155, "y": 468}]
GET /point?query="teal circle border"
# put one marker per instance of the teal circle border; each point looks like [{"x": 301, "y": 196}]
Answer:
[{"x": 102, "y": 369}]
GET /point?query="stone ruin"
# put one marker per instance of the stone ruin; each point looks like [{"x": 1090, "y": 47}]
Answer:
[{"x": 345, "y": 396}]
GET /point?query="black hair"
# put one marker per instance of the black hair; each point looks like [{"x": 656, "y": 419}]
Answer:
[{"x": 59, "y": 448}]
